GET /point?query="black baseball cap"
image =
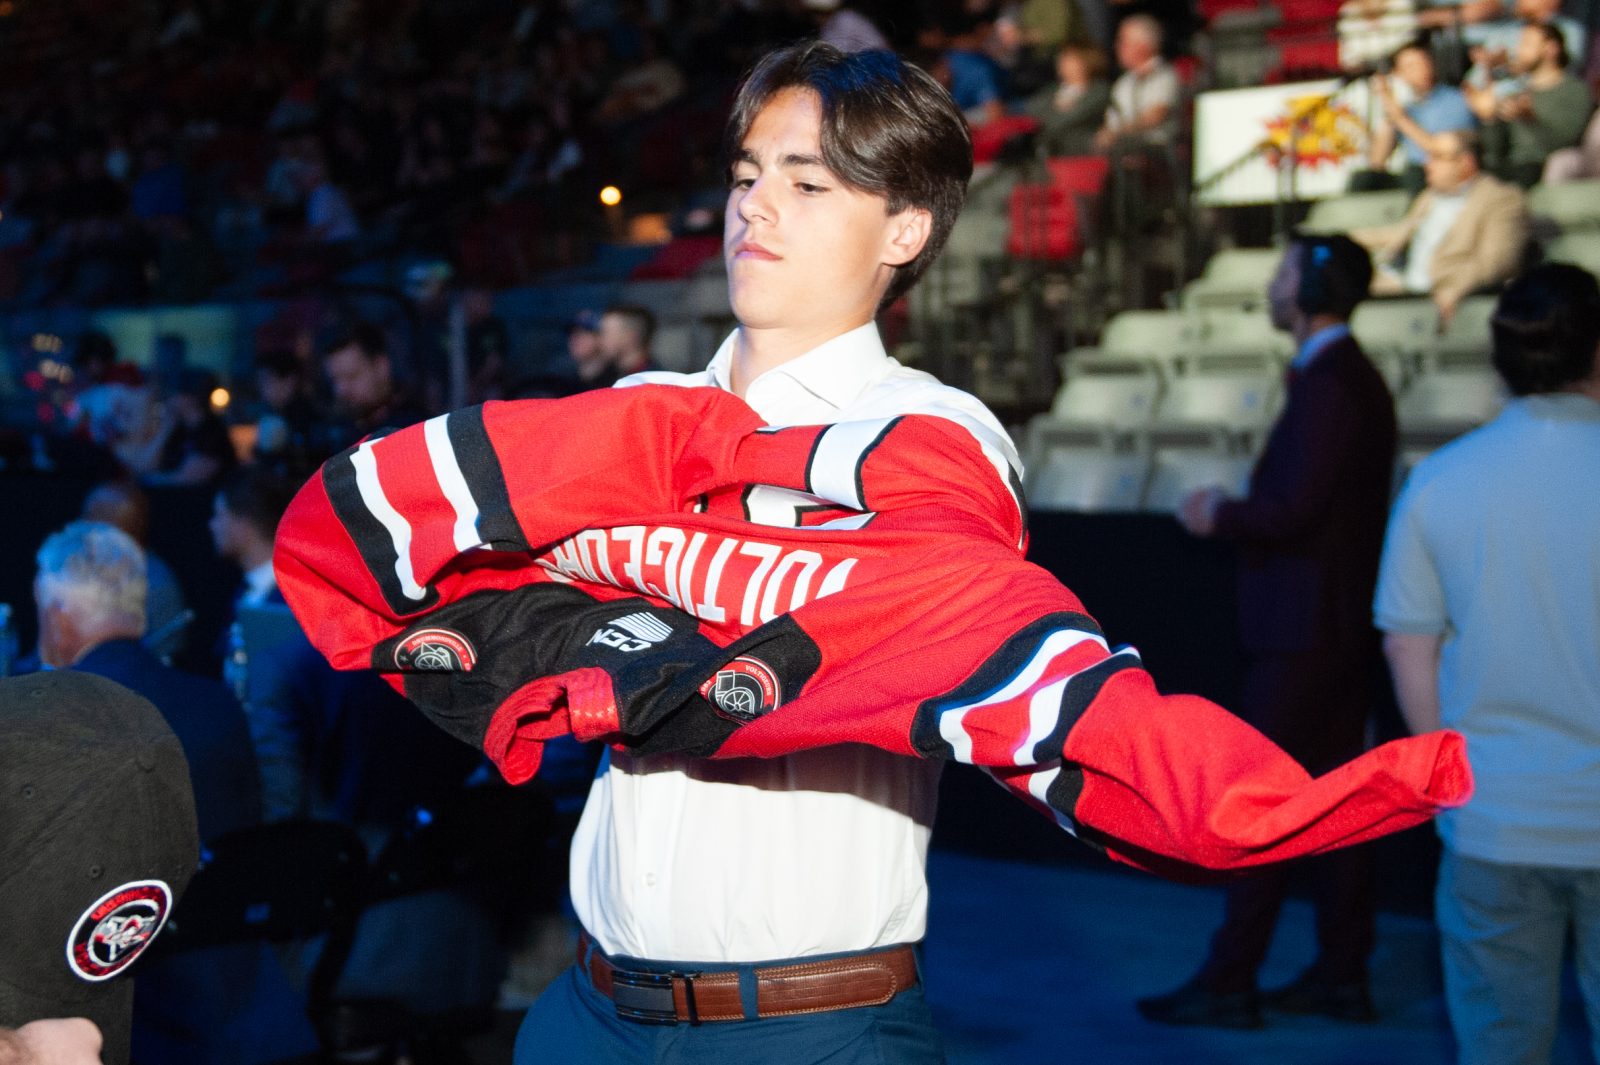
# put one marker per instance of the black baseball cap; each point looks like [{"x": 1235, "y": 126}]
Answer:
[{"x": 97, "y": 841}]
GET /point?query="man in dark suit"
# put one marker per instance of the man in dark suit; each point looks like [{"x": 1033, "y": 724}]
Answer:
[
  {"x": 1310, "y": 533},
  {"x": 244, "y": 520}
]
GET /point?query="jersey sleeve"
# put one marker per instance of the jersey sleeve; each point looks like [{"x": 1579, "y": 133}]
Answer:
[{"x": 519, "y": 579}]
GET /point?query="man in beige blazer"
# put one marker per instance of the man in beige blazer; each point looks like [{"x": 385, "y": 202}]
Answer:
[{"x": 1465, "y": 232}]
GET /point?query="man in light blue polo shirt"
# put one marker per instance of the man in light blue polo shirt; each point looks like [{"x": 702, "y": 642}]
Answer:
[
  {"x": 1489, "y": 598},
  {"x": 1428, "y": 110}
]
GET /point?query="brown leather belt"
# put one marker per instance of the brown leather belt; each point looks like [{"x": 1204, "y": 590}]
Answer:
[{"x": 869, "y": 979}]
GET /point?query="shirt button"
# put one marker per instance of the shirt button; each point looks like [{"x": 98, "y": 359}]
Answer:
[{"x": 649, "y": 880}]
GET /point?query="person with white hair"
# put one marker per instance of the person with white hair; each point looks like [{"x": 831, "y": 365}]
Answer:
[
  {"x": 1144, "y": 100},
  {"x": 90, "y": 592}
]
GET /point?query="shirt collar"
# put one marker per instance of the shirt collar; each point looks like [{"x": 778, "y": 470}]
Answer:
[
  {"x": 835, "y": 371},
  {"x": 1560, "y": 406},
  {"x": 259, "y": 583},
  {"x": 1318, "y": 342}
]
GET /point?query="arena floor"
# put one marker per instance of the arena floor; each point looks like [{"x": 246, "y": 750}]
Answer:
[{"x": 1043, "y": 962}]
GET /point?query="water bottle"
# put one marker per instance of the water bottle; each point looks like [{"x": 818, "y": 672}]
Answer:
[{"x": 8, "y": 641}]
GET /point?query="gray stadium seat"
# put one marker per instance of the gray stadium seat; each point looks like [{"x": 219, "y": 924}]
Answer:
[
  {"x": 1466, "y": 339},
  {"x": 1403, "y": 327},
  {"x": 1238, "y": 394},
  {"x": 1462, "y": 396},
  {"x": 1231, "y": 331},
  {"x": 1581, "y": 248},
  {"x": 1232, "y": 278},
  {"x": 1108, "y": 392},
  {"x": 1079, "y": 468},
  {"x": 991, "y": 193},
  {"x": 1162, "y": 337},
  {"x": 978, "y": 235},
  {"x": 1179, "y": 464},
  {"x": 1340, "y": 214},
  {"x": 1571, "y": 205},
  {"x": 963, "y": 273}
]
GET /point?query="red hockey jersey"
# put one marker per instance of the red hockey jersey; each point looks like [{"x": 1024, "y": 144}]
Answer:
[{"x": 520, "y": 570}]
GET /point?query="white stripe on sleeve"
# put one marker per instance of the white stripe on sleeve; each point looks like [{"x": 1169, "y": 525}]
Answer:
[
  {"x": 435, "y": 431},
  {"x": 399, "y": 530},
  {"x": 838, "y": 455}
]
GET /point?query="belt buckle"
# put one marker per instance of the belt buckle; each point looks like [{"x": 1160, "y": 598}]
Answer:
[{"x": 644, "y": 997}]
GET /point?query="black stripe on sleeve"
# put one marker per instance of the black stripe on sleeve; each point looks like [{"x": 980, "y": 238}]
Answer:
[
  {"x": 372, "y": 540},
  {"x": 480, "y": 466},
  {"x": 995, "y": 673},
  {"x": 1020, "y": 496},
  {"x": 1062, "y": 797},
  {"x": 1081, "y": 691},
  {"x": 861, "y": 464},
  {"x": 811, "y": 459}
]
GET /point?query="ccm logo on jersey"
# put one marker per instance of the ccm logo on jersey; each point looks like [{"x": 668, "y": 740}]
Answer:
[{"x": 635, "y": 632}]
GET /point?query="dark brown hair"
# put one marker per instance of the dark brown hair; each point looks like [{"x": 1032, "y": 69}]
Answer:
[
  {"x": 257, "y": 496},
  {"x": 1553, "y": 35},
  {"x": 888, "y": 128},
  {"x": 1546, "y": 329},
  {"x": 639, "y": 319}
]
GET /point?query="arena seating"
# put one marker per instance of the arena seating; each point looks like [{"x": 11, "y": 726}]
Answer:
[
  {"x": 1569, "y": 206},
  {"x": 1581, "y": 248},
  {"x": 1082, "y": 470},
  {"x": 1233, "y": 278},
  {"x": 1340, "y": 214},
  {"x": 1185, "y": 460}
]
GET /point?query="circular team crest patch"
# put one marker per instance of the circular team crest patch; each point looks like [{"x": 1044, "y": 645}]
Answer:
[
  {"x": 117, "y": 928},
  {"x": 435, "y": 651},
  {"x": 743, "y": 690}
]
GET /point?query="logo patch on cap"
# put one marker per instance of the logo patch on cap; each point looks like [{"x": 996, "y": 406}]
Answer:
[
  {"x": 435, "y": 651},
  {"x": 743, "y": 690},
  {"x": 117, "y": 928}
]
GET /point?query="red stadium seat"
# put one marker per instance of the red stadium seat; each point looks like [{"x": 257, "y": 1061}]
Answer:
[
  {"x": 1210, "y": 9},
  {"x": 678, "y": 259},
  {"x": 1305, "y": 58},
  {"x": 1045, "y": 221},
  {"x": 1310, "y": 10},
  {"x": 989, "y": 138}
]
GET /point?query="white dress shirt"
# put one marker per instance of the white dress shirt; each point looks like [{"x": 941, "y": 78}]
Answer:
[
  {"x": 1431, "y": 231},
  {"x": 695, "y": 860}
]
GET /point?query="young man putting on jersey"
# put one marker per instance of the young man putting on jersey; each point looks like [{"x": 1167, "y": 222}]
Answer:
[{"x": 846, "y": 173}]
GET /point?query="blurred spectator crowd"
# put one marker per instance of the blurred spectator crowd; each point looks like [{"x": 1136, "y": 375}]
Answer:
[{"x": 159, "y": 151}]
